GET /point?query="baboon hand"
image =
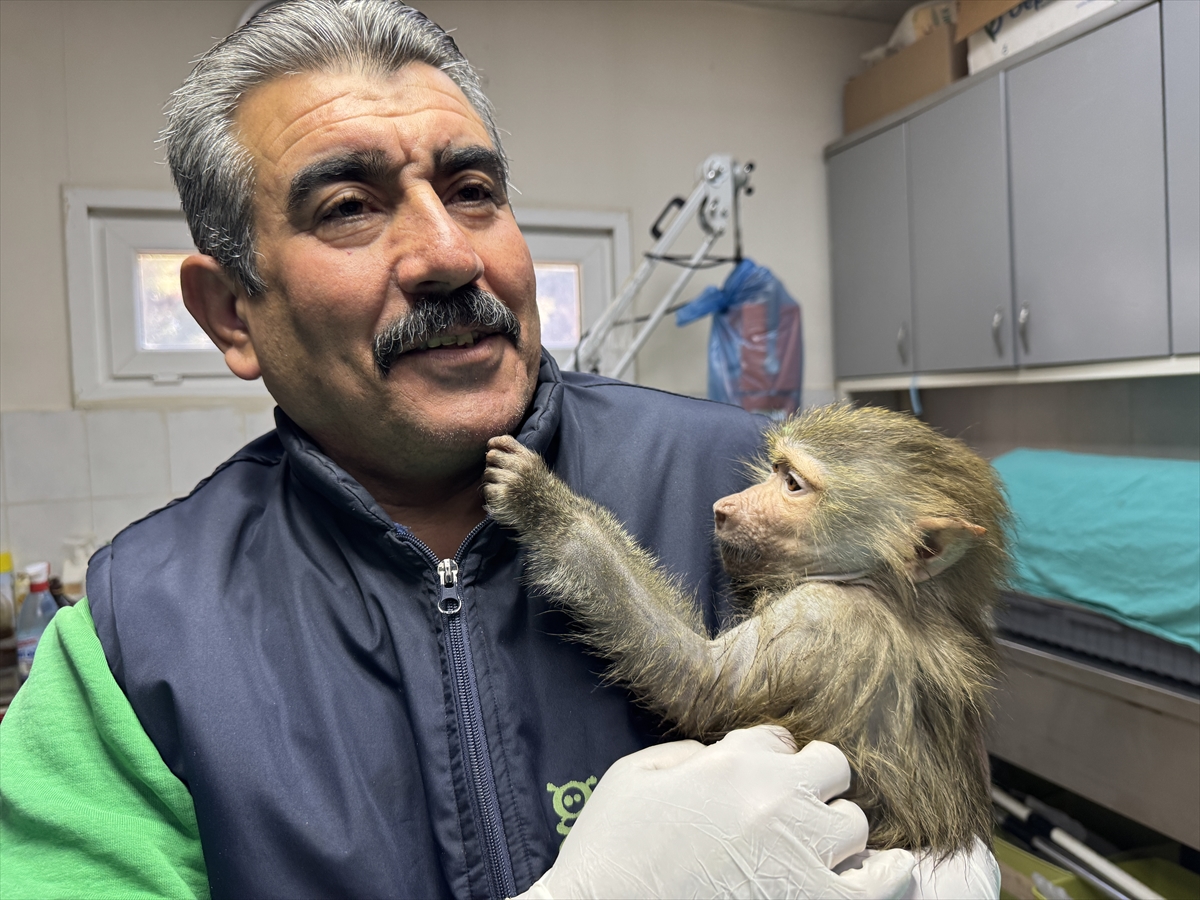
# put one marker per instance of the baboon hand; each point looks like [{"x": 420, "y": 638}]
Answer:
[{"x": 513, "y": 481}]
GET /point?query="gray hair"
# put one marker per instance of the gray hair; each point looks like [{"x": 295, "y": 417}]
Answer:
[{"x": 214, "y": 173}]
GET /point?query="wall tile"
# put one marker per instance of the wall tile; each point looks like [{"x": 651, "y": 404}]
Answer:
[
  {"x": 113, "y": 514},
  {"x": 38, "y": 529},
  {"x": 1038, "y": 416},
  {"x": 200, "y": 440},
  {"x": 1157, "y": 417},
  {"x": 259, "y": 423},
  {"x": 1166, "y": 416},
  {"x": 1097, "y": 417},
  {"x": 45, "y": 456},
  {"x": 127, "y": 450},
  {"x": 4, "y": 541},
  {"x": 5, "y": 536},
  {"x": 953, "y": 411},
  {"x": 997, "y": 420}
]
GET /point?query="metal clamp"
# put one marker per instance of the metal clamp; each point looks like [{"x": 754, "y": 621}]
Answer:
[{"x": 714, "y": 203}]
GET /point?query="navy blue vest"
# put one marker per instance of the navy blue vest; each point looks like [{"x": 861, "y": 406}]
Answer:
[{"x": 281, "y": 642}]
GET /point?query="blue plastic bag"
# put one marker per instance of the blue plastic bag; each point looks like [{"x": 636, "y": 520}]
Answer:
[{"x": 756, "y": 350}]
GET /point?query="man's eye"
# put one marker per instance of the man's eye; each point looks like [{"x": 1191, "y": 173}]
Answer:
[
  {"x": 474, "y": 193},
  {"x": 347, "y": 208}
]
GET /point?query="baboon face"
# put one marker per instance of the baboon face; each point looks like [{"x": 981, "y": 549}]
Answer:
[
  {"x": 767, "y": 529},
  {"x": 795, "y": 522}
]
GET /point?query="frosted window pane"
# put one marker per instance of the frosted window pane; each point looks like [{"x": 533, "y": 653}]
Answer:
[
  {"x": 163, "y": 321},
  {"x": 558, "y": 304}
]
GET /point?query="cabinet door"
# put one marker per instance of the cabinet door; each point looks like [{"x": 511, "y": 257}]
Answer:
[
  {"x": 962, "y": 282},
  {"x": 1088, "y": 199},
  {"x": 868, "y": 213},
  {"x": 1181, "y": 78}
]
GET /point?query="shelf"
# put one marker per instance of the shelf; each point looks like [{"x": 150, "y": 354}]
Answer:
[{"x": 1133, "y": 368}]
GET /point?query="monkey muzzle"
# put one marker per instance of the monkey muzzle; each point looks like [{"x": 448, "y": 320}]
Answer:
[{"x": 739, "y": 557}]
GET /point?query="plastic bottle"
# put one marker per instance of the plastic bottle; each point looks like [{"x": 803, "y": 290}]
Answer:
[
  {"x": 36, "y": 612},
  {"x": 8, "y": 609},
  {"x": 8, "y": 618}
]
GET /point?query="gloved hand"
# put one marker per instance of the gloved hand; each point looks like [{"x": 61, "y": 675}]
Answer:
[
  {"x": 745, "y": 817},
  {"x": 967, "y": 875}
]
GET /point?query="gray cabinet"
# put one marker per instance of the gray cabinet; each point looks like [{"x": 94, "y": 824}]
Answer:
[
  {"x": 872, "y": 306},
  {"x": 962, "y": 284},
  {"x": 1088, "y": 205},
  {"x": 1181, "y": 80}
]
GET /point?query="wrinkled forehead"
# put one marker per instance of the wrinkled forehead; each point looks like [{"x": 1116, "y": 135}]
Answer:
[{"x": 288, "y": 120}]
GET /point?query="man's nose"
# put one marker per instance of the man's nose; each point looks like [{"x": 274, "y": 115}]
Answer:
[{"x": 433, "y": 253}]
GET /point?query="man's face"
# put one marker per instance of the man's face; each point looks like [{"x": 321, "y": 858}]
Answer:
[{"x": 374, "y": 195}]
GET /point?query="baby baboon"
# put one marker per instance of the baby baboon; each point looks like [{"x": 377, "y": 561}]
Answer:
[{"x": 864, "y": 565}]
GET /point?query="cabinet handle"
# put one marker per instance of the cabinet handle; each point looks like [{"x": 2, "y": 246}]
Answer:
[
  {"x": 997, "y": 338},
  {"x": 1023, "y": 326},
  {"x": 902, "y": 342}
]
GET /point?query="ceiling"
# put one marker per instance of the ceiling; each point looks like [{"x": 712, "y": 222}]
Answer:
[{"x": 888, "y": 11}]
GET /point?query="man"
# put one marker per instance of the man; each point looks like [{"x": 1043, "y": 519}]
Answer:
[{"x": 319, "y": 674}]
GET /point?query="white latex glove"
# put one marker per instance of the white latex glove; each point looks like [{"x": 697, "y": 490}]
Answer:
[
  {"x": 967, "y": 875},
  {"x": 745, "y": 817}
]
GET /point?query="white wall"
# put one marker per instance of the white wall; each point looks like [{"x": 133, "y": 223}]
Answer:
[
  {"x": 614, "y": 105},
  {"x": 82, "y": 87},
  {"x": 73, "y": 472},
  {"x": 605, "y": 105}
]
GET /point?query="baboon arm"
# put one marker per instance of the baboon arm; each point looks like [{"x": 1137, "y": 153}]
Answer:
[
  {"x": 627, "y": 607},
  {"x": 637, "y": 616}
]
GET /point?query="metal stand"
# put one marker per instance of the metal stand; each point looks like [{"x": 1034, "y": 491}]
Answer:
[{"x": 715, "y": 202}]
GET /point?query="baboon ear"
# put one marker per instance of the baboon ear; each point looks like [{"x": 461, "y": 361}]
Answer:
[{"x": 946, "y": 539}]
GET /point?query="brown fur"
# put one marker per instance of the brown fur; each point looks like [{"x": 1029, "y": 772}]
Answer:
[{"x": 890, "y": 657}]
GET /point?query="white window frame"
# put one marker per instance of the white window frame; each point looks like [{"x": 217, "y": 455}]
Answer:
[
  {"x": 104, "y": 231},
  {"x": 613, "y": 228},
  {"x": 104, "y": 228}
]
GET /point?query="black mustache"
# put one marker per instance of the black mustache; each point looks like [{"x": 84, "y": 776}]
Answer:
[{"x": 468, "y": 307}]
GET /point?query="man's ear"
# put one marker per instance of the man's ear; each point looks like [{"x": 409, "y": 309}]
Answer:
[
  {"x": 214, "y": 300},
  {"x": 946, "y": 539}
]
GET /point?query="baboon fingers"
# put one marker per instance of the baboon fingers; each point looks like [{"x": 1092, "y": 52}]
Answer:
[{"x": 504, "y": 442}]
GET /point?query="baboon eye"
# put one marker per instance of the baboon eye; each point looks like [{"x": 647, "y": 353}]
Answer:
[{"x": 795, "y": 484}]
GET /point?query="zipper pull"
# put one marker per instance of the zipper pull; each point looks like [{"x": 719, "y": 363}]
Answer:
[{"x": 448, "y": 579}]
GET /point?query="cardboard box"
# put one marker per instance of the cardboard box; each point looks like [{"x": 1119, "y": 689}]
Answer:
[
  {"x": 974, "y": 14},
  {"x": 931, "y": 63},
  {"x": 1026, "y": 24}
]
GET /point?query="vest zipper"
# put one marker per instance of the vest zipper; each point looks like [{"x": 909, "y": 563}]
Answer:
[{"x": 485, "y": 804}]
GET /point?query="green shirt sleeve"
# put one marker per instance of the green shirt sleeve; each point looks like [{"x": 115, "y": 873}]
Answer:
[{"x": 87, "y": 806}]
